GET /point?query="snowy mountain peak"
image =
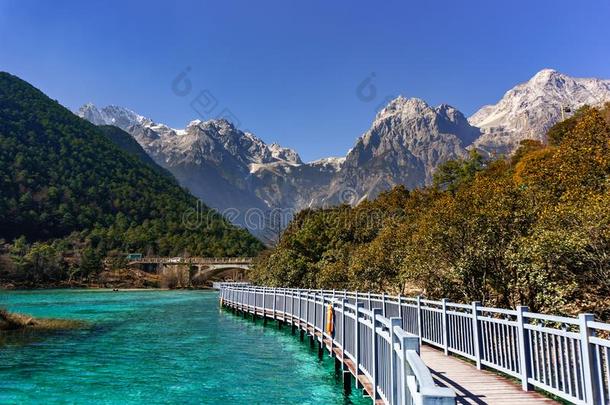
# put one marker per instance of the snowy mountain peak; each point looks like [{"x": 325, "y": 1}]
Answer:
[
  {"x": 529, "y": 109},
  {"x": 545, "y": 74},
  {"x": 287, "y": 154},
  {"x": 403, "y": 106},
  {"x": 112, "y": 115},
  {"x": 194, "y": 123},
  {"x": 332, "y": 162}
]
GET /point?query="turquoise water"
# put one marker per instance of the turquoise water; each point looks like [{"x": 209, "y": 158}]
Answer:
[{"x": 159, "y": 347}]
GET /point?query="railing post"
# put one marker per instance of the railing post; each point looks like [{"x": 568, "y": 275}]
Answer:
[
  {"x": 383, "y": 304},
  {"x": 588, "y": 360},
  {"x": 476, "y": 333},
  {"x": 445, "y": 327},
  {"x": 369, "y": 299},
  {"x": 376, "y": 312},
  {"x": 343, "y": 302},
  {"x": 323, "y": 318},
  {"x": 403, "y": 371},
  {"x": 394, "y": 373},
  {"x": 315, "y": 312},
  {"x": 299, "y": 299},
  {"x": 419, "y": 320},
  {"x": 306, "y": 310},
  {"x": 358, "y": 306},
  {"x": 285, "y": 305},
  {"x": 524, "y": 348},
  {"x": 273, "y": 302},
  {"x": 400, "y": 308}
]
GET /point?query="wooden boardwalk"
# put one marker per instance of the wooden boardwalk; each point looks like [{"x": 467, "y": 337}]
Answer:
[
  {"x": 567, "y": 357},
  {"x": 475, "y": 386}
]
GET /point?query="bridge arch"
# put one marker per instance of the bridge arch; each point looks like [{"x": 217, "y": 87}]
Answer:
[{"x": 194, "y": 271}]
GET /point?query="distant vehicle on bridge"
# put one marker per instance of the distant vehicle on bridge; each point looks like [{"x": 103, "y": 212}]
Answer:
[{"x": 134, "y": 256}]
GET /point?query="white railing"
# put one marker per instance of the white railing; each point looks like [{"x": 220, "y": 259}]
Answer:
[
  {"x": 193, "y": 260},
  {"x": 217, "y": 285},
  {"x": 566, "y": 357},
  {"x": 375, "y": 345}
]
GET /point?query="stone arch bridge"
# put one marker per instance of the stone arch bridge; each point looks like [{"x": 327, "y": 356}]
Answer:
[{"x": 193, "y": 271}]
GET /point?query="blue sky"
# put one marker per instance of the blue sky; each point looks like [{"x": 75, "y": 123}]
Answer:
[{"x": 289, "y": 71}]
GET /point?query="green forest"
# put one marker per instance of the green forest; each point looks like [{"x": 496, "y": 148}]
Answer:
[
  {"x": 74, "y": 194},
  {"x": 530, "y": 229}
]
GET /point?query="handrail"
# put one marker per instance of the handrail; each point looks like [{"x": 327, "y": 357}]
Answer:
[
  {"x": 190, "y": 260},
  {"x": 565, "y": 356},
  {"x": 385, "y": 354}
]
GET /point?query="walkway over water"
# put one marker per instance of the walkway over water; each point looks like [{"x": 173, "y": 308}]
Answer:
[
  {"x": 565, "y": 357},
  {"x": 474, "y": 386}
]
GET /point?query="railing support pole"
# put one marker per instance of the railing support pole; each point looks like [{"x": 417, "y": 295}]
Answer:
[
  {"x": 323, "y": 318},
  {"x": 285, "y": 310},
  {"x": 306, "y": 311},
  {"x": 419, "y": 320},
  {"x": 524, "y": 348},
  {"x": 400, "y": 308},
  {"x": 588, "y": 360},
  {"x": 376, "y": 312},
  {"x": 394, "y": 372},
  {"x": 445, "y": 327},
  {"x": 383, "y": 305},
  {"x": 343, "y": 302},
  {"x": 403, "y": 371},
  {"x": 359, "y": 305},
  {"x": 299, "y": 313},
  {"x": 265, "y": 289},
  {"x": 315, "y": 313},
  {"x": 273, "y": 302},
  {"x": 476, "y": 333}
]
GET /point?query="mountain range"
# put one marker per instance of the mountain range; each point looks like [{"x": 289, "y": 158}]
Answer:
[{"x": 241, "y": 176}]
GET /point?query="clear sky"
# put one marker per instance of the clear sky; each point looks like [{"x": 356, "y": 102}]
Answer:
[{"x": 290, "y": 71}]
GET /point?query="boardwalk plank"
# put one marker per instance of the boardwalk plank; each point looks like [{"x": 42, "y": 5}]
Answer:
[{"x": 475, "y": 386}]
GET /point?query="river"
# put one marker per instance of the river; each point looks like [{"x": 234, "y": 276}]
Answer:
[{"x": 159, "y": 347}]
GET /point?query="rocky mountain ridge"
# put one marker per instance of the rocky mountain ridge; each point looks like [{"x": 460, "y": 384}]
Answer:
[{"x": 237, "y": 172}]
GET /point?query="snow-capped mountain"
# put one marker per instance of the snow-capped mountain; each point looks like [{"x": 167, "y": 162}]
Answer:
[
  {"x": 112, "y": 115},
  {"x": 212, "y": 137},
  {"x": 529, "y": 109},
  {"x": 234, "y": 170},
  {"x": 230, "y": 170}
]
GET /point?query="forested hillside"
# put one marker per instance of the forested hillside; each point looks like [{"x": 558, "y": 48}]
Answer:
[
  {"x": 532, "y": 229},
  {"x": 126, "y": 142},
  {"x": 67, "y": 188}
]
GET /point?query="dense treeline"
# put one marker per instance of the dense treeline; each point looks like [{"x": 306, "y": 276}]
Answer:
[
  {"x": 73, "y": 194},
  {"x": 126, "y": 142},
  {"x": 532, "y": 229}
]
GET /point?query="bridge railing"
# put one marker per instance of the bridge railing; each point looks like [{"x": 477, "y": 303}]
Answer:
[
  {"x": 564, "y": 356},
  {"x": 377, "y": 346},
  {"x": 194, "y": 260}
]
